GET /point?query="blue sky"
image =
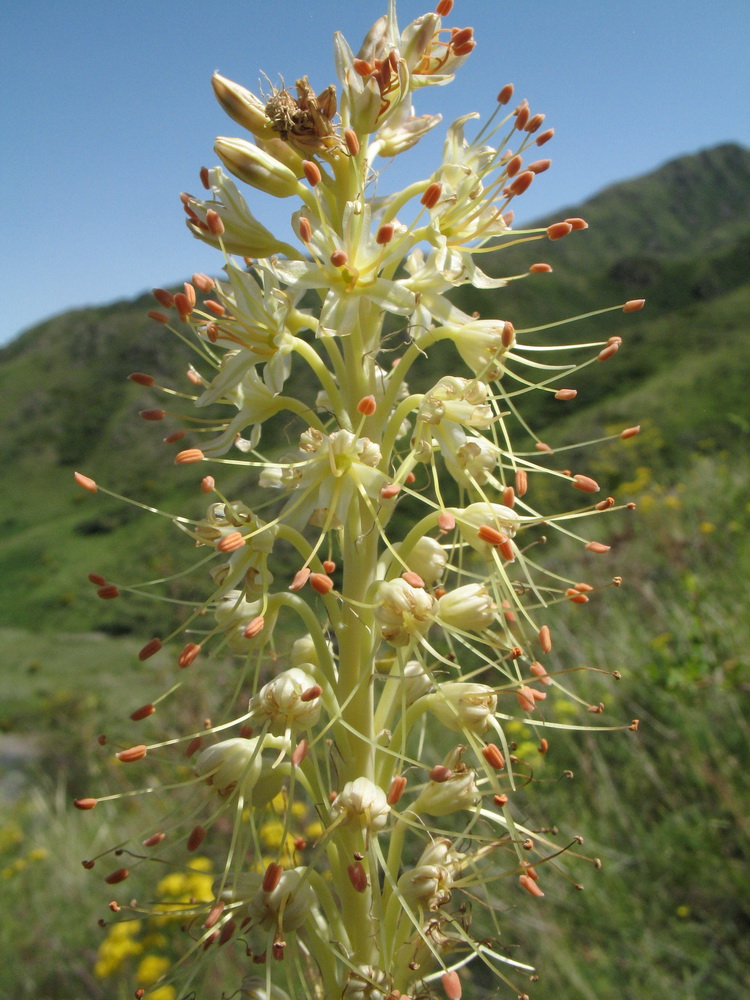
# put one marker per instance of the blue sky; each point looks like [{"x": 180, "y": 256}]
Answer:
[{"x": 107, "y": 114}]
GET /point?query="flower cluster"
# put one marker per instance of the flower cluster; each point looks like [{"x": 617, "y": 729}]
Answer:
[{"x": 376, "y": 588}]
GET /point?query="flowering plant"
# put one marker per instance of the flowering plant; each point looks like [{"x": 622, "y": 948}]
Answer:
[{"x": 378, "y": 677}]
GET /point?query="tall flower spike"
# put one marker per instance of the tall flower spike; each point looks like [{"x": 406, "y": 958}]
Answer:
[{"x": 374, "y": 612}]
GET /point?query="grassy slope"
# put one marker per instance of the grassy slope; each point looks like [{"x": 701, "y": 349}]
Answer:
[{"x": 664, "y": 808}]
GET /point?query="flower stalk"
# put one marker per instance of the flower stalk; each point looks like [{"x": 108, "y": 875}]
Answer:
[{"x": 378, "y": 675}]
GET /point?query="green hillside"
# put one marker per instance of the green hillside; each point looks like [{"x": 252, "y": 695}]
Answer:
[
  {"x": 680, "y": 236},
  {"x": 665, "y": 807}
]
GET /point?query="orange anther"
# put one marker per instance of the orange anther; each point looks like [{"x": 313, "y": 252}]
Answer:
[
  {"x": 505, "y": 94},
  {"x": 522, "y": 182},
  {"x": 357, "y": 876},
  {"x": 231, "y": 542},
  {"x": 451, "y": 985},
  {"x": 196, "y": 838},
  {"x": 85, "y": 482},
  {"x": 522, "y": 114},
  {"x": 513, "y": 165},
  {"x": 559, "y": 229},
  {"x": 493, "y": 755},
  {"x": 305, "y": 229},
  {"x": 608, "y": 351},
  {"x": 598, "y": 547},
  {"x": 431, "y": 195},
  {"x": 84, "y": 803},
  {"x": 585, "y": 484},
  {"x": 203, "y": 282},
  {"x": 119, "y": 875},
  {"x": 154, "y": 839},
  {"x": 321, "y": 583},
  {"x": 544, "y": 137},
  {"x": 311, "y": 693},
  {"x": 213, "y": 914},
  {"x": 440, "y": 773},
  {"x": 534, "y": 124},
  {"x": 526, "y": 698},
  {"x": 446, "y": 522},
  {"x": 384, "y": 234},
  {"x": 132, "y": 754},
  {"x": 500, "y": 800},
  {"x": 189, "y": 653},
  {"x": 215, "y": 307},
  {"x": 299, "y": 753},
  {"x": 163, "y": 297},
  {"x": 540, "y": 671},
  {"x": 182, "y": 305},
  {"x": 142, "y": 713},
  {"x": 545, "y": 640},
  {"x": 151, "y": 414},
  {"x": 396, "y": 790},
  {"x": 189, "y": 455},
  {"x": 367, "y": 406},
  {"x": 491, "y": 535},
  {"x": 193, "y": 745},
  {"x": 255, "y": 627},
  {"x": 109, "y": 592},
  {"x": 272, "y": 876},
  {"x": 207, "y": 484},
  {"x": 141, "y": 379},
  {"x": 338, "y": 258},
  {"x": 98, "y": 579},
  {"x": 300, "y": 578},
  {"x": 577, "y": 223},
  {"x": 151, "y": 647},
  {"x": 606, "y": 504},
  {"x": 352, "y": 141},
  {"x": 522, "y": 482},
  {"x": 214, "y": 222},
  {"x": 312, "y": 172},
  {"x": 539, "y": 166},
  {"x": 413, "y": 579},
  {"x": 630, "y": 432},
  {"x": 543, "y": 746},
  {"x": 566, "y": 394},
  {"x": 633, "y": 305},
  {"x": 530, "y": 885},
  {"x": 575, "y": 597},
  {"x": 540, "y": 268},
  {"x": 175, "y": 436}
]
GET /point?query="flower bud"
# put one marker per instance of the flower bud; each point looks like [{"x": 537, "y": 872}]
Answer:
[
  {"x": 458, "y": 791},
  {"x": 471, "y": 518},
  {"x": 231, "y": 763},
  {"x": 428, "y": 559},
  {"x": 242, "y": 106},
  {"x": 427, "y": 886},
  {"x": 363, "y": 803},
  {"x": 404, "y": 612},
  {"x": 459, "y": 399},
  {"x": 469, "y": 608},
  {"x": 281, "y": 701},
  {"x": 256, "y": 167},
  {"x": 286, "y": 906},
  {"x": 441, "y": 852},
  {"x": 462, "y": 705}
]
